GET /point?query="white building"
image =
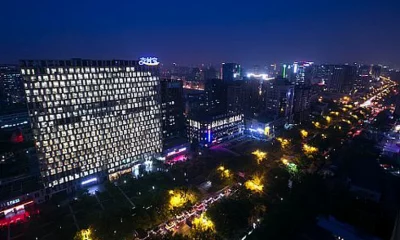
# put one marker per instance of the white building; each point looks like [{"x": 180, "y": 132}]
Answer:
[{"x": 92, "y": 119}]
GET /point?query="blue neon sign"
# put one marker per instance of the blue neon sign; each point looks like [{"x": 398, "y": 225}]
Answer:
[{"x": 149, "y": 61}]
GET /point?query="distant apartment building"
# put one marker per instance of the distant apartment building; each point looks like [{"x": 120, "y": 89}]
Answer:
[
  {"x": 341, "y": 78},
  {"x": 278, "y": 97},
  {"x": 236, "y": 97},
  {"x": 301, "y": 73},
  {"x": 11, "y": 86},
  {"x": 301, "y": 103},
  {"x": 231, "y": 72},
  {"x": 92, "y": 119}
]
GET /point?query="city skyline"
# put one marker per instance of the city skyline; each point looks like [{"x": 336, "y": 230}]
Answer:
[
  {"x": 197, "y": 120},
  {"x": 253, "y": 34}
]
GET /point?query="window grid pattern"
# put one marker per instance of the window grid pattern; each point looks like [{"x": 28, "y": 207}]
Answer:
[{"x": 89, "y": 120}]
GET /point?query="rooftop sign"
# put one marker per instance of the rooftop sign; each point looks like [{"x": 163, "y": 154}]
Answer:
[{"x": 149, "y": 61}]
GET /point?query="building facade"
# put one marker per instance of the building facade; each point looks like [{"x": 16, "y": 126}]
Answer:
[
  {"x": 301, "y": 103},
  {"x": 341, "y": 78},
  {"x": 207, "y": 131},
  {"x": 301, "y": 71},
  {"x": 92, "y": 119},
  {"x": 11, "y": 87},
  {"x": 172, "y": 107},
  {"x": 236, "y": 97},
  {"x": 278, "y": 99}
]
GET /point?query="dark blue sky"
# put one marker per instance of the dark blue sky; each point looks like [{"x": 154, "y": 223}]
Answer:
[{"x": 208, "y": 31}]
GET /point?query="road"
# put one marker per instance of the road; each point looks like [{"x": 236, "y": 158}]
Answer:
[{"x": 175, "y": 224}]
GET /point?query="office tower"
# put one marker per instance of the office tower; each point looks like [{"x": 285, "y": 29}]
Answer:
[
  {"x": 11, "y": 88},
  {"x": 350, "y": 76},
  {"x": 195, "y": 74},
  {"x": 173, "y": 122},
  {"x": 363, "y": 78},
  {"x": 215, "y": 96},
  {"x": 364, "y": 70},
  {"x": 236, "y": 97},
  {"x": 301, "y": 103},
  {"x": 180, "y": 72},
  {"x": 207, "y": 130},
  {"x": 302, "y": 72},
  {"x": 320, "y": 74},
  {"x": 253, "y": 99},
  {"x": 284, "y": 70},
  {"x": 272, "y": 70},
  {"x": 376, "y": 71},
  {"x": 278, "y": 98},
  {"x": 210, "y": 73},
  {"x": 92, "y": 119},
  {"x": 335, "y": 78},
  {"x": 231, "y": 72},
  {"x": 341, "y": 78},
  {"x": 194, "y": 101}
]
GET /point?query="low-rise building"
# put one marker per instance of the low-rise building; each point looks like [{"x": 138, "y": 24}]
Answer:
[{"x": 210, "y": 130}]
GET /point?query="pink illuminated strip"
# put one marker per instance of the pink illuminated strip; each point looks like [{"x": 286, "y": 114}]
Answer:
[
  {"x": 176, "y": 152},
  {"x": 18, "y": 207}
]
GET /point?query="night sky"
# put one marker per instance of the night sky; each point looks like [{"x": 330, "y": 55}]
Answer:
[{"x": 208, "y": 31}]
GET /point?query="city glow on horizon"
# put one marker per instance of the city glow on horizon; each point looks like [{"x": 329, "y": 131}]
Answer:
[{"x": 262, "y": 76}]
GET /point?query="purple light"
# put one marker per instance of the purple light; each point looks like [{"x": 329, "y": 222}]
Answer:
[
  {"x": 209, "y": 135},
  {"x": 176, "y": 152}
]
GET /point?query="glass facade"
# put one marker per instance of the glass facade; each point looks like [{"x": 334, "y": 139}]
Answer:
[
  {"x": 92, "y": 117},
  {"x": 216, "y": 129}
]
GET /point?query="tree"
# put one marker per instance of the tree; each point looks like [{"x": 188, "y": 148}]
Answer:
[
  {"x": 286, "y": 218},
  {"x": 230, "y": 216}
]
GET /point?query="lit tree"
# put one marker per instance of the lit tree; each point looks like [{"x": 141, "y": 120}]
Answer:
[
  {"x": 328, "y": 119},
  {"x": 309, "y": 150},
  {"x": 303, "y": 133},
  {"x": 291, "y": 167},
  {"x": 225, "y": 173},
  {"x": 179, "y": 198},
  {"x": 84, "y": 234},
  {"x": 284, "y": 142},
  {"x": 203, "y": 223},
  {"x": 255, "y": 184},
  {"x": 260, "y": 156}
]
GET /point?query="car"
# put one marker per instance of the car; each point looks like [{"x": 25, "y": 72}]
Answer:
[
  {"x": 191, "y": 213},
  {"x": 201, "y": 207},
  {"x": 169, "y": 226},
  {"x": 180, "y": 216}
]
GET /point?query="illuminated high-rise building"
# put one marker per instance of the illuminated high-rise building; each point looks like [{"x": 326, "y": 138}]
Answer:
[
  {"x": 92, "y": 119},
  {"x": 300, "y": 73}
]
